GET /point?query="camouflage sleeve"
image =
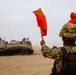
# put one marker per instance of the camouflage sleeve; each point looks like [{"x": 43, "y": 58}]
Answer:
[{"x": 53, "y": 53}]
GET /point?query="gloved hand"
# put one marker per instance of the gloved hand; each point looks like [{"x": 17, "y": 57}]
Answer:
[{"x": 42, "y": 42}]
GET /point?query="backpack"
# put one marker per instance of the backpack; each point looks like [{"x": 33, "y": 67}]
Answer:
[{"x": 69, "y": 64}]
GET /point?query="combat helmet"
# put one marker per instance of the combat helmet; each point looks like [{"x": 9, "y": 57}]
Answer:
[{"x": 69, "y": 29}]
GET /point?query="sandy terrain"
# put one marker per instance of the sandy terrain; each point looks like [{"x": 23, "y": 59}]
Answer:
[{"x": 34, "y": 64}]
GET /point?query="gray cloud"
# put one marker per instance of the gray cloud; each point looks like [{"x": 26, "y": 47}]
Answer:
[{"x": 17, "y": 20}]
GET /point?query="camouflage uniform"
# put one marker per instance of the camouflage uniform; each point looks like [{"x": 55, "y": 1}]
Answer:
[
  {"x": 56, "y": 54},
  {"x": 69, "y": 31},
  {"x": 2, "y": 43}
]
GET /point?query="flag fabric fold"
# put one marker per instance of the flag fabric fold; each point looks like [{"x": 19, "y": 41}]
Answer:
[
  {"x": 41, "y": 21},
  {"x": 73, "y": 18}
]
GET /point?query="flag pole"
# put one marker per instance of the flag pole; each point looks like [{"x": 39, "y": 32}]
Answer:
[
  {"x": 41, "y": 34},
  {"x": 42, "y": 37}
]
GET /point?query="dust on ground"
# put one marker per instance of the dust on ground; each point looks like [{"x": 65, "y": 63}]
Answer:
[{"x": 34, "y": 64}]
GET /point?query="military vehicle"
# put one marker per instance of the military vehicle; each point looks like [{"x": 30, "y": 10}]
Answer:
[{"x": 14, "y": 47}]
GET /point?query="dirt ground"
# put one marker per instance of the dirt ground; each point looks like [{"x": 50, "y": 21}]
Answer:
[{"x": 34, "y": 64}]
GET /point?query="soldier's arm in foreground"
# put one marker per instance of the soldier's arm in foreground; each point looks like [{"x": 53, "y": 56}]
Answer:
[{"x": 53, "y": 53}]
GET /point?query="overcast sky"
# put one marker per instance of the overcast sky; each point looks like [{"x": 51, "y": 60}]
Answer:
[{"x": 17, "y": 20}]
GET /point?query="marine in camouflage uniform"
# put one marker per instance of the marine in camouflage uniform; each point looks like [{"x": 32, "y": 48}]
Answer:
[
  {"x": 2, "y": 44},
  {"x": 68, "y": 34}
]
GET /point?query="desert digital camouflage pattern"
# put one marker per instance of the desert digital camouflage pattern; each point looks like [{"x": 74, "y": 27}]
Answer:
[
  {"x": 2, "y": 44},
  {"x": 56, "y": 54},
  {"x": 68, "y": 31}
]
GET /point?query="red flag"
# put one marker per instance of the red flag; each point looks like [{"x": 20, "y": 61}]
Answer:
[
  {"x": 41, "y": 20},
  {"x": 73, "y": 18}
]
